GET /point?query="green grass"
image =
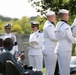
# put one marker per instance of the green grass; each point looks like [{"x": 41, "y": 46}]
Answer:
[{"x": 43, "y": 70}]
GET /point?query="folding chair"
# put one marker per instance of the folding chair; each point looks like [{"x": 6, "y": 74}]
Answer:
[{"x": 11, "y": 69}]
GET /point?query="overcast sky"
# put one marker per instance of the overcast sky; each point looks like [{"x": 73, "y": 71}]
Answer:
[{"x": 16, "y": 8}]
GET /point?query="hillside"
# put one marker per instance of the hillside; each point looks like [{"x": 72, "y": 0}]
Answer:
[{"x": 7, "y": 18}]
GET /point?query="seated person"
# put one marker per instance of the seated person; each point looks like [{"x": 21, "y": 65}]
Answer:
[
  {"x": 2, "y": 67},
  {"x": 1, "y": 44},
  {"x": 6, "y": 55}
]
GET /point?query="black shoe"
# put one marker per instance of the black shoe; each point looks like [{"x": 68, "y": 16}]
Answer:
[{"x": 30, "y": 68}]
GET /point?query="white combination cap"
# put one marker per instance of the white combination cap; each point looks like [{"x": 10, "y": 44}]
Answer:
[
  {"x": 34, "y": 23},
  {"x": 50, "y": 13},
  {"x": 8, "y": 25},
  {"x": 63, "y": 11}
]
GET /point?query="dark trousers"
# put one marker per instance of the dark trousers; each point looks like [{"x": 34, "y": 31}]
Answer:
[{"x": 56, "y": 69}]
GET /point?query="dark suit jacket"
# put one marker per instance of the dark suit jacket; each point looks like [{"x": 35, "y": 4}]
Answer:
[{"x": 4, "y": 56}]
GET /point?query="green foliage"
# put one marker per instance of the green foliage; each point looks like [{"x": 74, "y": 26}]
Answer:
[
  {"x": 71, "y": 19},
  {"x": 17, "y": 28},
  {"x": 21, "y": 26},
  {"x": 73, "y": 51},
  {"x": 32, "y": 18},
  {"x": 41, "y": 20},
  {"x": 1, "y": 27},
  {"x": 55, "y": 5},
  {"x": 43, "y": 70},
  {"x": 25, "y": 24},
  {"x": 72, "y": 6}
]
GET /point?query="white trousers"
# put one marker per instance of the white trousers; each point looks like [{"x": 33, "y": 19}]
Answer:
[
  {"x": 64, "y": 59},
  {"x": 36, "y": 61},
  {"x": 50, "y": 60}
]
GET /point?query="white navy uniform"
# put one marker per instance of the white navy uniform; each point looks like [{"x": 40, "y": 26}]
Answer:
[
  {"x": 64, "y": 46},
  {"x": 49, "y": 44},
  {"x": 15, "y": 47},
  {"x": 35, "y": 53},
  {"x": 73, "y": 27}
]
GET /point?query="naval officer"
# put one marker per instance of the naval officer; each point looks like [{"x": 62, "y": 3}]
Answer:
[
  {"x": 73, "y": 27},
  {"x": 35, "y": 50},
  {"x": 49, "y": 43},
  {"x": 8, "y": 27},
  {"x": 64, "y": 44}
]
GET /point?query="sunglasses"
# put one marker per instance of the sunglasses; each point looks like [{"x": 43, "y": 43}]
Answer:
[
  {"x": 33, "y": 26},
  {"x": 7, "y": 28}
]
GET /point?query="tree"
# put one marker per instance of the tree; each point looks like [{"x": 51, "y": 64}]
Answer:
[
  {"x": 3, "y": 18},
  {"x": 17, "y": 28},
  {"x": 41, "y": 21},
  {"x": 25, "y": 24},
  {"x": 72, "y": 6},
  {"x": 55, "y": 5}
]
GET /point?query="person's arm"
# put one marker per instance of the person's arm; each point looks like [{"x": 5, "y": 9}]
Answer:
[
  {"x": 15, "y": 46},
  {"x": 29, "y": 44},
  {"x": 15, "y": 43}
]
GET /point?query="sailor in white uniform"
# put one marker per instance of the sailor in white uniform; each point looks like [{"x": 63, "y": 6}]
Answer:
[
  {"x": 65, "y": 40},
  {"x": 35, "y": 48},
  {"x": 49, "y": 43},
  {"x": 73, "y": 27},
  {"x": 7, "y": 27}
]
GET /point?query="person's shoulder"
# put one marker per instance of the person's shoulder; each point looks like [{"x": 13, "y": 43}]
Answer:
[
  {"x": 62, "y": 25},
  {"x": 13, "y": 34},
  {"x": 48, "y": 26},
  {"x": 66, "y": 26},
  {"x": 31, "y": 34},
  {"x": 47, "y": 23}
]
